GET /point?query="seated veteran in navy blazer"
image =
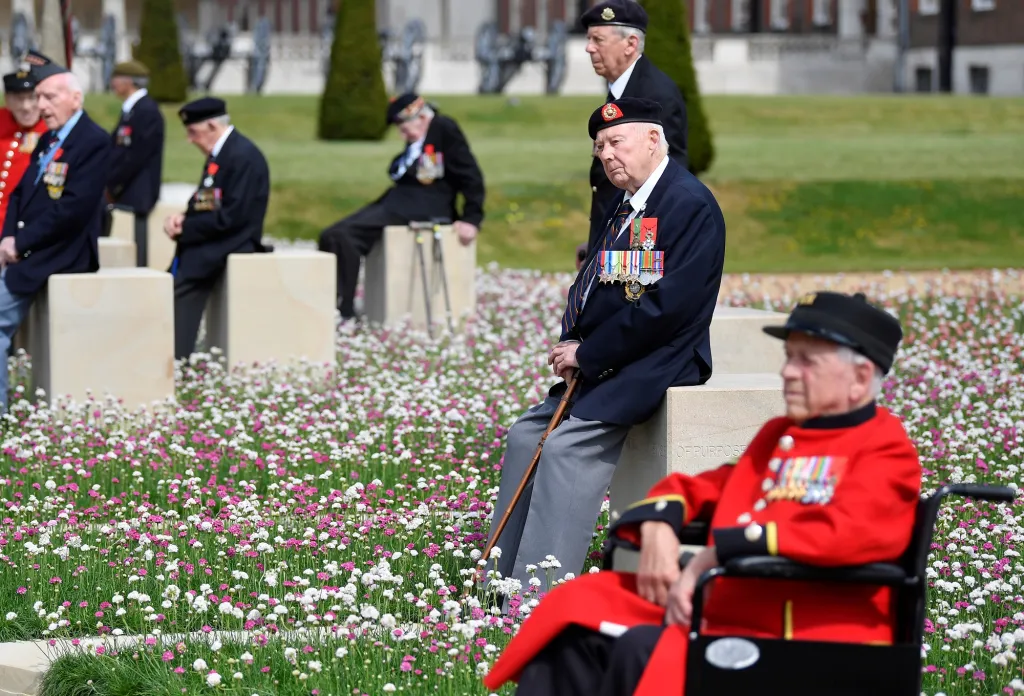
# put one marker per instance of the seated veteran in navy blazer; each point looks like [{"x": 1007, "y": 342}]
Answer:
[
  {"x": 56, "y": 211},
  {"x": 637, "y": 321},
  {"x": 138, "y": 140},
  {"x": 224, "y": 216},
  {"x": 435, "y": 166}
]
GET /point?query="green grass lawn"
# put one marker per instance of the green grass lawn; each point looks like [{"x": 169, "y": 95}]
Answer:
[{"x": 806, "y": 183}]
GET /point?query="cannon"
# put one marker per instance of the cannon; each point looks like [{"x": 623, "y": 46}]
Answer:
[
  {"x": 501, "y": 56},
  {"x": 403, "y": 52},
  {"x": 22, "y": 40},
  {"x": 218, "y": 49}
]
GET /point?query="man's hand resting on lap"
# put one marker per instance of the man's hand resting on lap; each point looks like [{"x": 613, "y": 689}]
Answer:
[{"x": 659, "y": 562}]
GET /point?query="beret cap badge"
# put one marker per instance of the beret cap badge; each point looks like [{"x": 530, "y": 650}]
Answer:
[
  {"x": 611, "y": 112},
  {"x": 807, "y": 298},
  {"x": 608, "y": 14}
]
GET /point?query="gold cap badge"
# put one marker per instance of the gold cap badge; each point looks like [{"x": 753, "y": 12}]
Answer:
[
  {"x": 610, "y": 112},
  {"x": 608, "y": 14},
  {"x": 807, "y": 298}
]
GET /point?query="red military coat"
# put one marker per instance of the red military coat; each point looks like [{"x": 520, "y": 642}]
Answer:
[
  {"x": 16, "y": 146},
  {"x": 841, "y": 490}
]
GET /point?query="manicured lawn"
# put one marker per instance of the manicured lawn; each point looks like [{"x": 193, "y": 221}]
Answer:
[{"x": 806, "y": 183}]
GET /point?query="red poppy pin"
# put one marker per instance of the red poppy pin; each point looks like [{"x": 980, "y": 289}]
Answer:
[
  {"x": 212, "y": 169},
  {"x": 58, "y": 153},
  {"x": 429, "y": 149}
]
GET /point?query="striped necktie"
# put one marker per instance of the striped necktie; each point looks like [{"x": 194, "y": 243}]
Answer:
[{"x": 574, "y": 303}]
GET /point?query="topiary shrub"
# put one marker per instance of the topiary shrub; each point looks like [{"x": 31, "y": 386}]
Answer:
[
  {"x": 354, "y": 101},
  {"x": 668, "y": 47},
  {"x": 158, "y": 50}
]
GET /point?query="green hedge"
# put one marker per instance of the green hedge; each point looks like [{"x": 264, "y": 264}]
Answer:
[
  {"x": 354, "y": 102},
  {"x": 158, "y": 50},
  {"x": 668, "y": 47}
]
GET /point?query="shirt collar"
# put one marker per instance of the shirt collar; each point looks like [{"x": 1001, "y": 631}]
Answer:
[
  {"x": 62, "y": 134},
  {"x": 619, "y": 86},
  {"x": 639, "y": 199},
  {"x": 132, "y": 100},
  {"x": 220, "y": 142}
]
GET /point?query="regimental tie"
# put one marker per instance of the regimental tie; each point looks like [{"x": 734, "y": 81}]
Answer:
[{"x": 574, "y": 303}]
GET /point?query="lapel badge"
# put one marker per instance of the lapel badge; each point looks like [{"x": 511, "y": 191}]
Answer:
[
  {"x": 786, "y": 443},
  {"x": 634, "y": 290},
  {"x": 611, "y": 112},
  {"x": 608, "y": 14}
]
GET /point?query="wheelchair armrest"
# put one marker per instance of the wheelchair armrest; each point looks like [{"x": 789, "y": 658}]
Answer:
[{"x": 773, "y": 567}]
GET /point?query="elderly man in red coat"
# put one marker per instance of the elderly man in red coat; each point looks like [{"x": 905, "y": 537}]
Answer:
[
  {"x": 836, "y": 481},
  {"x": 20, "y": 128}
]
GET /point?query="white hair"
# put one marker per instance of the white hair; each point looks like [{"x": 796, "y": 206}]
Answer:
[
  {"x": 642, "y": 129},
  {"x": 851, "y": 356},
  {"x": 224, "y": 120},
  {"x": 626, "y": 32},
  {"x": 426, "y": 112},
  {"x": 70, "y": 82}
]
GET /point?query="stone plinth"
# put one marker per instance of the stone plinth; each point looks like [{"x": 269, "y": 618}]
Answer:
[
  {"x": 695, "y": 429},
  {"x": 159, "y": 247},
  {"x": 278, "y": 307},
  {"x": 394, "y": 279},
  {"x": 739, "y": 346},
  {"x": 105, "y": 332},
  {"x": 116, "y": 253}
]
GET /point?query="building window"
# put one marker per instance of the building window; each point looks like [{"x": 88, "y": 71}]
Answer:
[
  {"x": 983, "y": 5},
  {"x": 923, "y": 79},
  {"x": 822, "y": 13},
  {"x": 740, "y": 15},
  {"x": 979, "y": 79},
  {"x": 928, "y": 7}
]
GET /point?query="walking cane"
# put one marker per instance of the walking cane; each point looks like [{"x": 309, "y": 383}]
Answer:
[{"x": 554, "y": 423}]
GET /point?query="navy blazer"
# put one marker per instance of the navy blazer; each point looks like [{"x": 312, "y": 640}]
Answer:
[
  {"x": 436, "y": 197},
  {"x": 630, "y": 353},
  {"x": 647, "y": 81},
  {"x": 137, "y": 166},
  {"x": 56, "y": 227},
  {"x": 225, "y": 214}
]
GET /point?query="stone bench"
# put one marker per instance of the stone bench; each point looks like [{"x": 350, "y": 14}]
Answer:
[
  {"x": 158, "y": 247},
  {"x": 116, "y": 253},
  {"x": 393, "y": 283},
  {"x": 738, "y": 345},
  {"x": 279, "y": 306},
  {"x": 109, "y": 332},
  {"x": 695, "y": 430}
]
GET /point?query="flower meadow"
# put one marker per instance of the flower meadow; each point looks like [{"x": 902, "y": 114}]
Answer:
[{"x": 275, "y": 532}]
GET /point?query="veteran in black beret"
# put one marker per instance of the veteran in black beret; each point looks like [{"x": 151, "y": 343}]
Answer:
[
  {"x": 436, "y": 165},
  {"x": 138, "y": 139},
  {"x": 616, "y": 32},
  {"x": 55, "y": 213},
  {"x": 224, "y": 216},
  {"x": 637, "y": 322}
]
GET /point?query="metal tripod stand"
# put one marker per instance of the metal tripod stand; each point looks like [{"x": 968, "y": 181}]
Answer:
[{"x": 437, "y": 249}]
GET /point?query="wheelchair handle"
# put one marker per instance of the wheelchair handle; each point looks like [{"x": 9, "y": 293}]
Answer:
[{"x": 972, "y": 490}]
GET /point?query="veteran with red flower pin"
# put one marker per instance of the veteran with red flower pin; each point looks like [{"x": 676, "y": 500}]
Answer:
[
  {"x": 224, "y": 216},
  {"x": 637, "y": 322},
  {"x": 20, "y": 128},
  {"x": 55, "y": 213}
]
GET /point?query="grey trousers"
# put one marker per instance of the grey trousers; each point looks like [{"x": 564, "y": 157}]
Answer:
[{"x": 559, "y": 508}]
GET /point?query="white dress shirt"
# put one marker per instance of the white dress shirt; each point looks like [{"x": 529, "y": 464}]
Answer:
[
  {"x": 220, "y": 142},
  {"x": 131, "y": 101},
  {"x": 638, "y": 202},
  {"x": 619, "y": 86}
]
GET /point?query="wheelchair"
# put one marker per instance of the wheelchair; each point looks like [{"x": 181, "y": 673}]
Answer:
[{"x": 718, "y": 665}]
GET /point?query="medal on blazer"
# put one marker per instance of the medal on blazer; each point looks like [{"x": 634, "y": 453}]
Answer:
[
  {"x": 56, "y": 176},
  {"x": 30, "y": 142},
  {"x": 639, "y": 267},
  {"x": 124, "y": 136},
  {"x": 211, "y": 170},
  {"x": 430, "y": 167}
]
